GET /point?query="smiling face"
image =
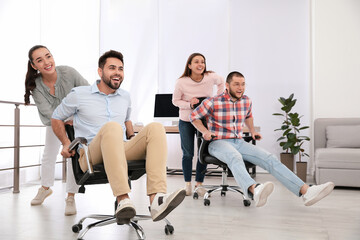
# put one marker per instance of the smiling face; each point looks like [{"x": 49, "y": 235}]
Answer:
[
  {"x": 236, "y": 87},
  {"x": 42, "y": 60},
  {"x": 197, "y": 65},
  {"x": 112, "y": 74}
]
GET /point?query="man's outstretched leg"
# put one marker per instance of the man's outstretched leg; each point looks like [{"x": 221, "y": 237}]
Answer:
[{"x": 150, "y": 143}]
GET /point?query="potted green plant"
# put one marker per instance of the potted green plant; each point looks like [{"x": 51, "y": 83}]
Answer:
[{"x": 291, "y": 141}]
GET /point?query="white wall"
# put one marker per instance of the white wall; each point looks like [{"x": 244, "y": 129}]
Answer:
[{"x": 336, "y": 58}]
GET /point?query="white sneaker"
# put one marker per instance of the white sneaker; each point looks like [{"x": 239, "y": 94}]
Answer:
[
  {"x": 125, "y": 211},
  {"x": 163, "y": 204},
  {"x": 317, "y": 192},
  {"x": 41, "y": 195},
  {"x": 262, "y": 192},
  {"x": 188, "y": 189},
  {"x": 70, "y": 206}
]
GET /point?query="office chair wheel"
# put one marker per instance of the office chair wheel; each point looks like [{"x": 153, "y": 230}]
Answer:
[
  {"x": 223, "y": 193},
  {"x": 247, "y": 202},
  {"x": 81, "y": 189},
  {"x": 206, "y": 202},
  {"x": 169, "y": 229},
  {"x": 196, "y": 195},
  {"x": 77, "y": 228}
]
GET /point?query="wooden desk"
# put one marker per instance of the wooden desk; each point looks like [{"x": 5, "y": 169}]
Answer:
[
  {"x": 168, "y": 129},
  {"x": 175, "y": 129}
]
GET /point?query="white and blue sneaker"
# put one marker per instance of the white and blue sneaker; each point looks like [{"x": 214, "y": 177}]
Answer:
[
  {"x": 163, "y": 204},
  {"x": 125, "y": 211}
]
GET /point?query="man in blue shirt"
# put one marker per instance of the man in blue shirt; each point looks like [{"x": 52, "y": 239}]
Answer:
[{"x": 102, "y": 115}]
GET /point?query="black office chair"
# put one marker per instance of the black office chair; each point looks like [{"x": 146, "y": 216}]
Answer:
[
  {"x": 97, "y": 175},
  {"x": 205, "y": 158}
]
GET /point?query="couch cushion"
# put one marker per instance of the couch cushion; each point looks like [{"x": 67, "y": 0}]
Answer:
[
  {"x": 343, "y": 136},
  {"x": 345, "y": 158}
]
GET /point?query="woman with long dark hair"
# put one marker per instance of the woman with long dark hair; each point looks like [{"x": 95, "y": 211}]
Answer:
[
  {"x": 48, "y": 85},
  {"x": 195, "y": 84}
]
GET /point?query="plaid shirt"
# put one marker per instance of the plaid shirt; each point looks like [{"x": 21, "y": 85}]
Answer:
[{"x": 224, "y": 117}]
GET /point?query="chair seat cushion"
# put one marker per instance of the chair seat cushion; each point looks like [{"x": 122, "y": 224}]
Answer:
[
  {"x": 136, "y": 169},
  {"x": 212, "y": 160},
  {"x": 343, "y": 158}
]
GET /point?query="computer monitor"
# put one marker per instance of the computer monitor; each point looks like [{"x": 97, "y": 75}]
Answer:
[{"x": 164, "y": 111}]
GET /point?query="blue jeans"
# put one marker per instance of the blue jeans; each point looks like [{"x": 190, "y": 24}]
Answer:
[
  {"x": 233, "y": 152},
  {"x": 187, "y": 134}
]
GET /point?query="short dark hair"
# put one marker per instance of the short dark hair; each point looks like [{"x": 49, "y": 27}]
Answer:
[
  {"x": 110, "y": 54},
  {"x": 233, "y": 74}
]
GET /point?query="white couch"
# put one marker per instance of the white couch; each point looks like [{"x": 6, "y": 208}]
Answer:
[{"x": 337, "y": 151}]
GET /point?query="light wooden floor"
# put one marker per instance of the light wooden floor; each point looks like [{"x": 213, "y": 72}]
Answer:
[{"x": 284, "y": 217}]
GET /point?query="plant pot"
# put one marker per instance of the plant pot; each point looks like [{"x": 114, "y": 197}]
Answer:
[
  {"x": 288, "y": 160},
  {"x": 301, "y": 170}
]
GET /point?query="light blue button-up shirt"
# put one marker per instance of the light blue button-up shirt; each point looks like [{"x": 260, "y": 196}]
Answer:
[{"x": 92, "y": 109}]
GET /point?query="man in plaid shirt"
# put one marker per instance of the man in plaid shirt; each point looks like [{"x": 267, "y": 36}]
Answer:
[{"x": 225, "y": 115}]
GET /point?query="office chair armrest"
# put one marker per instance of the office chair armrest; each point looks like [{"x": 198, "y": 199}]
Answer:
[
  {"x": 83, "y": 143},
  {"x": 79, "y": 140}
]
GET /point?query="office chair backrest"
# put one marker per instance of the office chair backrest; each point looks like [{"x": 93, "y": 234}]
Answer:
[{"x": 203, "y": 153}]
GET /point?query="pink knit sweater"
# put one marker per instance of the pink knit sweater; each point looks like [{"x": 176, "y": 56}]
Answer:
[{"x": 186, "y": 89}]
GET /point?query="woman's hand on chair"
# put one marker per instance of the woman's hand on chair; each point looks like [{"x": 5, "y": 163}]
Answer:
[{"x": 65, "y": 151}]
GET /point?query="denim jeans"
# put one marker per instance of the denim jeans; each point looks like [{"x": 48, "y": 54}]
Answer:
[
  {"x": 233, "y": 152},
  {"x": 187, "y": 134}
]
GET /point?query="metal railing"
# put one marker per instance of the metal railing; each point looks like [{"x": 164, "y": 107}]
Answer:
[{"x": 16, "y": 147}]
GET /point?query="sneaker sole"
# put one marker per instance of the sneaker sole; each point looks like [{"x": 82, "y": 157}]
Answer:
[
  {"x": 326, "y": 191},
  {"x": 173, "y": 203},
  {"x": 124, "y": 215},
  {"x": 70, "y": 213},
  {"x": 268, "y": 189},
  {"x": 34, "y": 204}
]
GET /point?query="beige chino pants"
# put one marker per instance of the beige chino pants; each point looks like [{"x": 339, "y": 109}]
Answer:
[{"x": 109, "y": 147}]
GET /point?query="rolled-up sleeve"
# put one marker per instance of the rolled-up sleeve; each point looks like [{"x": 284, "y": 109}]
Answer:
[{"x": 67, "y": 107}]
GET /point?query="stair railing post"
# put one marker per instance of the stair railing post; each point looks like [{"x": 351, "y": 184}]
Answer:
[{"x": 17, "y": 150}]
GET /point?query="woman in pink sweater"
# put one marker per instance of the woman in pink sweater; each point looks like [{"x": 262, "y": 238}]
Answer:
[{"x": 196, "y": 82}]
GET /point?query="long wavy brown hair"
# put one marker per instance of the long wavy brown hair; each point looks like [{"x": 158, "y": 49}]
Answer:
[
  {"x": 31, "y": 75},
  {"x": 187, "y": 71}
]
